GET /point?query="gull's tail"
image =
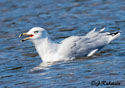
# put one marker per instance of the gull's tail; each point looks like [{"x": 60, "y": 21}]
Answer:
[
  {"x": 113, "y": 36},
  {"x": 93, "y": 32}
]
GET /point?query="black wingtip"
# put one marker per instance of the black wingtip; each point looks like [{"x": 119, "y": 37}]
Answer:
[{"x": 115, "y": 33}]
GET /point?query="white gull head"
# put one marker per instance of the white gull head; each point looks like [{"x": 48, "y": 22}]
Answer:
[{"x": 38, "y": 33}]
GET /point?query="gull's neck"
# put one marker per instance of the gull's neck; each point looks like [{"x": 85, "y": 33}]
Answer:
[{"x": 45, "y": 48}]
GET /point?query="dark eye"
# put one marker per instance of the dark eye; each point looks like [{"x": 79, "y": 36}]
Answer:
[{"x": 36, "y": 31}]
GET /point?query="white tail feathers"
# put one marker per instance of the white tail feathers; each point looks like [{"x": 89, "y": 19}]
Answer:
[
  {"x": 94, "y": 30},
  {"x": 88, "y": 34},
  {"x": 113, "y": 36},
  {"x": 101, "y": 30}
]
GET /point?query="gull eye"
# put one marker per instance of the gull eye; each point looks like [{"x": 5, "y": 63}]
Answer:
[{"x": 36, "y": 31}]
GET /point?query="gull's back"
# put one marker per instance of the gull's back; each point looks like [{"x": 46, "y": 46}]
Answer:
[{"x": 78, "y": 46}]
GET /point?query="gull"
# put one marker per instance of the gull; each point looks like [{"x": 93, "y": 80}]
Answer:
[{"x": 69, "y": 48}]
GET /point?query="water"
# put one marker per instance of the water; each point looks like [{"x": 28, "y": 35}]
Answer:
[{"x": 20, "y": 64}]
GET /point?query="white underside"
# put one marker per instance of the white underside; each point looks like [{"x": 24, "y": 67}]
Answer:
[{"x": 92, "y": 52}]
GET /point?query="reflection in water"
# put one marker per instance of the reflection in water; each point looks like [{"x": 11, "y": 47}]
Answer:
[{"x": 42, "y": 66}]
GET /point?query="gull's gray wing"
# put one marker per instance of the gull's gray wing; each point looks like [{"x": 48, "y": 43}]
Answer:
[{"x": 78, "y": 46}]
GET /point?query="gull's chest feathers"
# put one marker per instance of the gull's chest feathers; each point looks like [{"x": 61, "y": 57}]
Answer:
[{"x": 46, "y": 49}]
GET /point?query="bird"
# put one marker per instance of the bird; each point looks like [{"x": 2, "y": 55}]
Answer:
[{"x": 69, "y": 48}]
